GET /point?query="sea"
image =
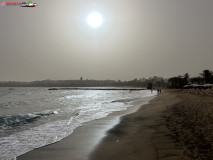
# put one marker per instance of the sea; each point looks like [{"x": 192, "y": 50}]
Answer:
[{"x": 34, "y": 117}]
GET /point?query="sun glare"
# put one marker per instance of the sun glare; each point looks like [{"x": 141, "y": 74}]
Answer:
[{"x": 94, "y": 19}]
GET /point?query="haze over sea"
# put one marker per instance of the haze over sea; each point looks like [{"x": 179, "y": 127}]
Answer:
[{"x": 34, "y": 117}]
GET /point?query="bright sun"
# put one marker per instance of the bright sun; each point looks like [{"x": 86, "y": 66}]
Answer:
[{"x": 94, "y": 19}]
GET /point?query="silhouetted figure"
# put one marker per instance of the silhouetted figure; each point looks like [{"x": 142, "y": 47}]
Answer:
[{"x": 159, "y": 90}]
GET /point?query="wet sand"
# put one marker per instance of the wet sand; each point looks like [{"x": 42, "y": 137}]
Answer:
[
  {"x": 80, "y": 144},
  {"x": 175, "y": 126},
  {"x": 143, "y": 135}
]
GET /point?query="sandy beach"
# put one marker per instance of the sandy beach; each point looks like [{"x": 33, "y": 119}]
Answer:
[
  {"x": 174, "y": 125},
  {"x": 191, "y": 121},
  {"x": 142, "y": 135},
  {"x": 84, "y": 139}
]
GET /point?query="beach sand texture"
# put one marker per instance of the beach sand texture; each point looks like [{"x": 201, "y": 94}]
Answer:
[{"x": 191, "y": 121}]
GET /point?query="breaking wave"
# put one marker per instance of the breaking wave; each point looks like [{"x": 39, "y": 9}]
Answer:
[{"x": 20, "y": 119}]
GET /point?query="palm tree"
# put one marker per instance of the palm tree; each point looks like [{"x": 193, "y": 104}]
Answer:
[{"x": 185, "y": 79}]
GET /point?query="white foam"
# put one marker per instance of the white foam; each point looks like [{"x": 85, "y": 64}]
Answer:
[{"x": 95, "y": 106}]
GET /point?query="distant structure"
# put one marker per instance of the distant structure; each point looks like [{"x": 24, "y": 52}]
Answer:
[
  {"x": 149, "y": 86},
  {"x": 81, "y": 78}
]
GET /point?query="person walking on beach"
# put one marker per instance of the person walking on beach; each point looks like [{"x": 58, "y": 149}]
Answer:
[{"x": 159, "y": 90}]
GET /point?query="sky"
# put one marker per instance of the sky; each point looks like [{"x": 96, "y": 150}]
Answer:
[{"x": 138, "y": 38}]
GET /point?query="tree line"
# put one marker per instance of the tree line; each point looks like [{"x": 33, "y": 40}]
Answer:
[
  {"x": 141, "y": 82},
  {"x": 174, "y": 82},
  {"x": 204, "y": 77}
]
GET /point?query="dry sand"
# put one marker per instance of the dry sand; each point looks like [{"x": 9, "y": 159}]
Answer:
[
  {"x": 175, "y": 126},
  {"x": 191, "y": 121}
]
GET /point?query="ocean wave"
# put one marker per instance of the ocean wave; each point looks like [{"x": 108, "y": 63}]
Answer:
[
  {"x": 20, "y": 119},
  {"x": 126, "y": 100},
  {"x": 21, "y": 133}
]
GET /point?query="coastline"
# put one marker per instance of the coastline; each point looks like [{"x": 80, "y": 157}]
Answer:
[
  {"x": 80, "y": 144},
  {"x": 143, "y": 134},
  {"x": 174, "y": 125}
]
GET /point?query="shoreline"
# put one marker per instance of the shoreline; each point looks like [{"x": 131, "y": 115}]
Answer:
[
  {"x": 80, "y": 144},
  {"x": 143, "y": 134},
  {"x": 174, "y": 125}
]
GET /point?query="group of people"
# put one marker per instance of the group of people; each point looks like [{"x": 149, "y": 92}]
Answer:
[{"x": 158, "y": 90}]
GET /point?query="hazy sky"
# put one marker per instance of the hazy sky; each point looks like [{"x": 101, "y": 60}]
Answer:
[{"x": 138, "y": 38}]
